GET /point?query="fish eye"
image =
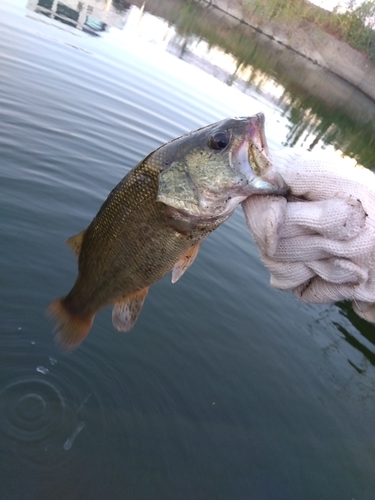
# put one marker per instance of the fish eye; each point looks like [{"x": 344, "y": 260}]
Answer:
[{"x": 219, "y": 141}]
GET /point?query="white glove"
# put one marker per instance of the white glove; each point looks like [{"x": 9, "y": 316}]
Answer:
[{"x": 320, "y": 243}]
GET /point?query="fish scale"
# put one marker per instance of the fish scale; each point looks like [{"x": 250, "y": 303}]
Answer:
[{"x": 154, "y": 220}]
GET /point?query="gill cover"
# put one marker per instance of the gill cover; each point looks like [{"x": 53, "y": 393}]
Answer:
[{"x": 177, "y": 189}]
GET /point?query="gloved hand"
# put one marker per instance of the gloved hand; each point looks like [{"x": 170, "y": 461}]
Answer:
[{"x": 320, "y": 243}]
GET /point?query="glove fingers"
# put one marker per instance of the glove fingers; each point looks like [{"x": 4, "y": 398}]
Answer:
[
  {"x": 339, "y": 271},
  {"x": 366, "y": 291},
  {"x": 319, "y": 176},
  {"x": 337, "y": 218},
  {"x": 286, "y": 276},
  {"x": 302, "y": 248},
  {"x": 314, "y": 247},
  {"x": 322, "y": 249},
  {"x": 319, "y": 291},
  {"x": 289, "y": 275}
]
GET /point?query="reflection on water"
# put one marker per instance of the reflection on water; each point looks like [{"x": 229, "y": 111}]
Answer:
[
  {"x": 366, "y": 343},
  {"x": 319, "y": 105},
  {"x": 226, "y": 388},
  {"x": 91, "y": 17},
  {"x": 311, "y": 123}
]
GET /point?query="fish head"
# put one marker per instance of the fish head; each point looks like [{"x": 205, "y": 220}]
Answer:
[{"x": 207, "y": 173}]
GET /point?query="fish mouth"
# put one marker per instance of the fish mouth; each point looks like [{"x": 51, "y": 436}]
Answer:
[
  {"x": 251, "y": 158},
  {"x": 257, "y": 134}
]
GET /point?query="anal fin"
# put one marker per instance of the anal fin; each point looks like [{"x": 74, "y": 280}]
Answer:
[
  {"x": 184, "y": 262},
  {"x": 126, "y": 311}
]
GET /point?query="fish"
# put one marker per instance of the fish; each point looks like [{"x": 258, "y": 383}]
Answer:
[{"x": 154, "y": 221}]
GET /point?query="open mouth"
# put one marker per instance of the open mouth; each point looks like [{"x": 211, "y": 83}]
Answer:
[
  {"x": 256, "y": 132},
  {"x": 251, "y": 159},
  {"x": 258, "y": 148}
]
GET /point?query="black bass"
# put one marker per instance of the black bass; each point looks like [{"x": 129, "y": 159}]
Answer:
[{"x": 155, "y": 219}]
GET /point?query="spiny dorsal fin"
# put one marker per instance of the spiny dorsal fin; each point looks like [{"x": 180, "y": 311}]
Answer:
[
  {"x": 75, "y": 242},
  {"x": 126, "y": 311},
  {"x": 184, "y": 262}
]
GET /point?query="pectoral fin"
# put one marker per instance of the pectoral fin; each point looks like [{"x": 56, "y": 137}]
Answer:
[
  {"x": 184, "y": 263},
  {"x": 126, "y": 311},
  {"x": 75, "y": 242}
]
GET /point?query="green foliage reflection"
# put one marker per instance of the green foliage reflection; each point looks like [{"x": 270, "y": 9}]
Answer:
[{"x": 310, "y": 114}]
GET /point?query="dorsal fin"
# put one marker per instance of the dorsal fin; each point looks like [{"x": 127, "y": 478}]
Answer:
[
  {"x": 126, "y": 311},
  {"x": 184, "y": 262},
  {"x": 75, "y": 242}
]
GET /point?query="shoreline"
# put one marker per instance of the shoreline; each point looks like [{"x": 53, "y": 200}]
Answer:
[{"x": 309, "y": 42}]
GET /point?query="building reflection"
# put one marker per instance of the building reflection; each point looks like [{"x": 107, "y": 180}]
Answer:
[
  {"x": 96, "y": 16},
  {"x": 92, "y": 16}
]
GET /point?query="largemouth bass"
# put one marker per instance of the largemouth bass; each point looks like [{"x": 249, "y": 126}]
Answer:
[{"x": 155, "y": 219}]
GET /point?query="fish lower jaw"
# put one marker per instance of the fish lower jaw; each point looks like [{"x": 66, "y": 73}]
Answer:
[
  {"x": 270, "y": 183},
  {"x": 218, "y": 207}
]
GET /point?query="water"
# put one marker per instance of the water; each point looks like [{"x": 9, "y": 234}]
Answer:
[{"x": 226, "y": 388}]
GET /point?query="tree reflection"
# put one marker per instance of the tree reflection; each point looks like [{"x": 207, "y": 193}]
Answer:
[
  {"x": 313, "y": 118},
  {"x": 319, "y": 105}
]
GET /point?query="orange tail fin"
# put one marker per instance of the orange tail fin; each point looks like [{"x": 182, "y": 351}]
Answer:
[{"x": 70, "y": 329}]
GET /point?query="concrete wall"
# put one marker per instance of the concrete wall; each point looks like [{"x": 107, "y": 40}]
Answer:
[{"x": 311, "y": 43}]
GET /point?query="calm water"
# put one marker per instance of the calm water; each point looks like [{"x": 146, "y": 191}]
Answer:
[{"x": 226, "y": 388}]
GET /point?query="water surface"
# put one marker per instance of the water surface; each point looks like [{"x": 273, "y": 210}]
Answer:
[{"x": 226, "y": 388}]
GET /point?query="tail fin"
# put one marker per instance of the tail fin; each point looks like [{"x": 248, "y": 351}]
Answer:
[{"x": 70, "y": 329}]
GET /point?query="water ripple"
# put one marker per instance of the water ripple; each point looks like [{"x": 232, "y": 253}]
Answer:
[
  {"x": 33, "y": 409},
  {"x": 43, "y": 410},
  {"x": 35, "y": 418}
]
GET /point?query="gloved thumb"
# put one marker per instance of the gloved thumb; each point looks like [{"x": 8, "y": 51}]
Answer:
[{"x": 264, "y": 217}]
